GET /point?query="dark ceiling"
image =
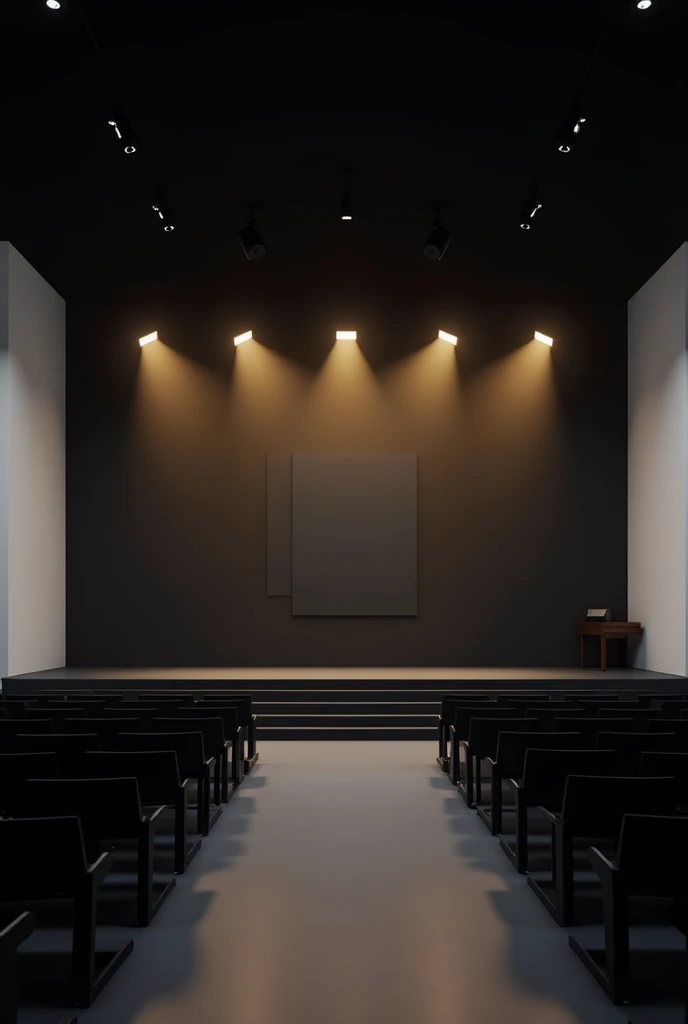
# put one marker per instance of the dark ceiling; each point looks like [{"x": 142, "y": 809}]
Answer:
[{"x": 425, "y": 102}]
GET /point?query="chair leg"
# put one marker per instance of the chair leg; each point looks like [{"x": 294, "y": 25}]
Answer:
[
  {"x": 442, "y": 743},
  {"x": 83, "y": 943},
  {"x": 616, "y": 940},
  {"x": 224, "y": 767},
  {"x": 521, "y": 833},
  {"x": 454, "y": 760},
  {"x": 478, "y": 780},
  {"x": 145, "y": 879},
  {"x": 563, "y": 855},
  {"x": 252, "y": 737},
  {"x": 180, "y": 832},
  {"x": 470, "y": 789},
  {"x": 217, "y": 780},
  {"x": 204, "y": 805},
  {"x": 8, "y": 989},
  {"x": 496, "y": 802}
]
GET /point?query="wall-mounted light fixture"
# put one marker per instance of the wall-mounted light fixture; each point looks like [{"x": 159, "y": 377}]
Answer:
[
  {"x": 544, "y": 338},
  {"x": 346, "y": 335},
  {"x": 147, "y": 338},
  {"x": 240, "y": 338},
  {"x": 445, "y": 336}
]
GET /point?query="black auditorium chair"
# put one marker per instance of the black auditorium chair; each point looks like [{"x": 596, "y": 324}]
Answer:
[
  {"x": 10, "y": 727},
  {"x": 629, "y": 747},
  {"x": 445, "y": 720},
  {"x": 44, "y": 859},
  {"x": 593, "y": 808},
  {"x": 58, "y": 715},
  {"x": 110, "y": 811},
  {"x": 191, "y": 758},
  {"x": 546, "y": 714},
  {"x": 247, "y": 720},
  {"x": 590, "y": 728},
  {"x": 483, "y": 734},
  {"x": 102, "y": 727},
  {"x": 542, "y": 785},
  {"x": 69, "y": 748},
  {"x": 458, "y": 731},
  {"x": 663, "y": 763},
  {"x": 650, "y": 861},
  {"x": 15, "y": 769},
  {"x": 679, "y": 726},
  {"x": 159, "y": 782},
  {"x": 508, "y": 762},
  {"x": 13, "y": 932},
  {"x": 214, "y": 744},
  {"x": 234, "y": 737},
  {"x": 639, "y": 716}
]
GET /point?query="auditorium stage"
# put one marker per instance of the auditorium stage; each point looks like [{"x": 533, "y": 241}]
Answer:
[{"x": 363, "y": 674}]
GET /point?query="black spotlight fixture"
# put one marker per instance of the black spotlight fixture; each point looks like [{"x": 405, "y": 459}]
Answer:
[
  {"x": 568, "y": 134},
  {"x": 529, "y": 210},
  {"x": 125, "y": 134},
  {"x": 347, "y": 210},
  {"x": 250, "y": 238},
  {"x": 163, "y": 212},
  {"x": 436, "y": 243}
]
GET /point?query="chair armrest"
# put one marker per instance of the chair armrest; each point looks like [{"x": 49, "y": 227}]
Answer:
[
  {"x": 17, "y": 931},
  {"x": 514, "y": 784},
  {"x": 549, "y": 816},
  {"x": 99, "y": 869},
  {"x": 155, "y": 814},
  {"x": 491, "y": 761},
  {"x": 185, "y": 783},
  {"x": 601, "y": 864},
  {"x": 210, "y": 762}
]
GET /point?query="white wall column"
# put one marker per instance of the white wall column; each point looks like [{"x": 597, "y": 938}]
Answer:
[
  {"x": 658, "y": 466},
  {"x": 32, "y": 469}
]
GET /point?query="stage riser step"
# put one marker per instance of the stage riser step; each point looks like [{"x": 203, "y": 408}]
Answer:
[
  {"x": 426, "y": 708},
  {"x": 350, "y": 721},
  {"x": 353, "y": 733}
]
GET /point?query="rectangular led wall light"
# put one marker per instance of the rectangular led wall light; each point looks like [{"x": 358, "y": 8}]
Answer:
[
  {"x": 544, "y": 338},
  {"x": 147, "y": 338},
  {"x": 445, "y": 336},
  {"x": 346, "y": 335},
  {"x": 246, "y": 336}
]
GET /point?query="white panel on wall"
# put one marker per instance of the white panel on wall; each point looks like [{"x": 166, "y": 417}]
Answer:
[
  {"x": 4, "y": 456},
  {"x": 278, "y": 560},
  {"x": 355, "y": 534},
  {"x": 657, "y": 465},
  {"x": 34, "y": 477}
]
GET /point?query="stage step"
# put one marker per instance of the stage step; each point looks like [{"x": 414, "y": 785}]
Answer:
[
  {"x": 425, "y": 708},
  {"x": 349, "y": 721},
  {"x": 300, "y": 732}
]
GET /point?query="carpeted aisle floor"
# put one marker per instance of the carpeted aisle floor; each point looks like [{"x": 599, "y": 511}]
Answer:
[{"x": 348, "y": 884}]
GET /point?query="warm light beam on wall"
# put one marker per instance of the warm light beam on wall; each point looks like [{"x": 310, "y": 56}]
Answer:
[
  {"x": 346, "y": 335},
  {"x": 544, "y": 338},
  {"x": 147, "y": 338},
  {"x": 241, "y": 338},
  {"x": 445, "y": 336}
]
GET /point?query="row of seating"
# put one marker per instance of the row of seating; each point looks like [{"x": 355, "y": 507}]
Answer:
[
  {"x": 93, "y": 784},
  {"x": 607, "y": 793}
]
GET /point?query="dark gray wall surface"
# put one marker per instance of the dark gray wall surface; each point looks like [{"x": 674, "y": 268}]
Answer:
[{"x": 521, "y": 454}]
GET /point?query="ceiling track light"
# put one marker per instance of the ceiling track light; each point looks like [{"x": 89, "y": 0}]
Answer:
[
  {"x": 570, "y": 130},
  {"x": 124, "y": 133},
  {"x": 544, "y": 338},
  {"x": 436, "y": 243},
  {"x": 148, "y": 338},
  {"x": 163, "y": 212},
  {"x": 529, "y": 210},
  {"x": 251, "y": 240},
  {"x": 446, "y": 336},
  {"x": 241, "y": 338},
  {"x": 346, "y": 335},
  {"x": 643, "y": 5},
  {"x": 54, "y": 5}
]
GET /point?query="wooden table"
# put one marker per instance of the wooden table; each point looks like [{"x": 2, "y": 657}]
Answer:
[{"x": 606, "y": 631}]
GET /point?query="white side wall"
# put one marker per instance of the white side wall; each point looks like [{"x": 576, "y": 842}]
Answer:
[
  {"x": 657, "y": 465},
  {"x": 35, "y": 474},
  {"x": 4, "y": 457}
]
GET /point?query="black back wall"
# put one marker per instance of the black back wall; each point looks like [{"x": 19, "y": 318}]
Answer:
[{"x": 522, "y": 473}]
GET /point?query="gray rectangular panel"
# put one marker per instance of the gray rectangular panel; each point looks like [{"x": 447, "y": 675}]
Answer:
[
  {"x": 279, "y": 524},
  {"x": 355, "y": 534}
]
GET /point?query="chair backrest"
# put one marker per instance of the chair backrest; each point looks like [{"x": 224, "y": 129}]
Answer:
[
  {"x": 662, "y": 763},
  {"x": 134, "y": 705},
  {"x": 109, "y": 809},
  {"x": 652, "y": 854},
  {"x": 640, "y": 716},
  {"x": 188, "y": 746},
  {"x": 546, "y": 715},
  {"x": 15, "y": 769},
  {"x": 100, "y": 726},
  {"x": 594, "y": 806},
  {"x": 14, "y": 726},
  {"x": 450, "y": 700},
  {"x": 229, "y": 716},
  {"x": 242, "y": 702},
  {"x": 156, "y": 772},
  {"x": 590, "y": 728},
  {"x": 545, "y": 771},
  {"x": 90, "y": 704},
  {"x": 68, "y": 748},
  {"x": 679, "y": 726},
  {"x": 463, "y": 717},
  {"x": 669, "y": 708},
  {"x": 40, "y": 858},
  {"x": 629, "y": 747},
  {"x": 513, "y": 746},
  {"x": 538, "y": 702},
  {"x": 60, "y": 714},
  {"x": 483, "y": 733},
  {"x": 212, "y": 728}
]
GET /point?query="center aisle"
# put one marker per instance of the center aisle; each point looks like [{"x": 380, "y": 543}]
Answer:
[{"x": 346, "y": 883}]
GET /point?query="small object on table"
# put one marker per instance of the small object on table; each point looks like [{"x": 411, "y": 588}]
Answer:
[{"x": 606, "y": 631}]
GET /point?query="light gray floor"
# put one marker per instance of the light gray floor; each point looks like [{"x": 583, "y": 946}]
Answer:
[
  {"x": 347, "y": 883},
  {"x": 329, "y": 673}
]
